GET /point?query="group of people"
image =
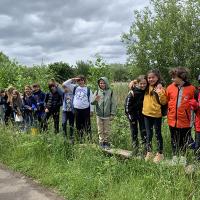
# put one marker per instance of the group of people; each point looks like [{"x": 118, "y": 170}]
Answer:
[
  {"x": 147, "y": 102},
  {"x": 33, "y": 108}
]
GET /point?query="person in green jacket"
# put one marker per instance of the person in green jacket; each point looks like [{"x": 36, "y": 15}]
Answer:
[{"x": 105, "y": 103}]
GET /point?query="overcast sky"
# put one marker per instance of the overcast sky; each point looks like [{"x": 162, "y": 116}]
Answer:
[{"x": 70, "y": 30}]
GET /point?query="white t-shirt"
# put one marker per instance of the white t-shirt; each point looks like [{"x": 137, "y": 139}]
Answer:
[{"x": 80, "y": 100}]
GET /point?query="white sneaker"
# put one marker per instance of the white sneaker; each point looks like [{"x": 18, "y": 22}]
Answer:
[{"x": 183, "y": 161}]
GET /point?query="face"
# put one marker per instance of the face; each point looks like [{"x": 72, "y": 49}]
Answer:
[
  {"x": 142, "y": 84},
  {"x": 81, "y": 82},
  {"x": 14, "y": 95},
  {"x": 66, "y": 89},
  {"x": 53, "y": 89},
  {"x": 152, "y": 79},
  {"x": 3, "y": 94},
  {"x": 28, "y": 91},
  {"x": 177, "y": 80},
  {"x": 102, "y": 84},
  {"x": 36, "y": 89}
]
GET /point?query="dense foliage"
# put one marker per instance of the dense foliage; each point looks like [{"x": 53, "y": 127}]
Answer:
[{"x": 165, "y": 35}]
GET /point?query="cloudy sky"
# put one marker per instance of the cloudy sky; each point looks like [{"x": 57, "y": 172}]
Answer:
[{"x": 67, "y": 30}]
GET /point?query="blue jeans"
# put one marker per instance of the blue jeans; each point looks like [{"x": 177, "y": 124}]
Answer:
[
  {"x": 150, "y": 123},
  {"x": 68, "y": 116}
]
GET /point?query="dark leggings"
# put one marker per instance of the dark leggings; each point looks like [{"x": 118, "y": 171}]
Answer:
[
  {"x": 179, "y": 139},
  {"x": 83, "y": 123},
  {"x": 55, "y": 115},
  {"x": 134, "y": 130},
  {"x": 68, "y": 116},
  {"x": 150, "y": 123}
]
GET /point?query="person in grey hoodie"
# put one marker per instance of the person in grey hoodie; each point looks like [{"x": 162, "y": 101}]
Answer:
[{"x": 105, "y": 103}]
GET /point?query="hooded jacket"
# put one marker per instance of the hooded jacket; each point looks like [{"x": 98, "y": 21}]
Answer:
[
  {"x": 179, "y": 109},
  {"x": 106, "y": 106},
  {"x": 134, "y": 103}
]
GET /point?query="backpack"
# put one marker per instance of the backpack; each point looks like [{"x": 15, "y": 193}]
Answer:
[
  {"x": 164, "y": 108},
  {"x": 88, "y": 92}
]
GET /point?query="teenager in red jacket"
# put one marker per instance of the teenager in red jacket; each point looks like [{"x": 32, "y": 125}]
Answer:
[
  {"x": 179, "y": 112},
  {"x": 195, "y": 105}
]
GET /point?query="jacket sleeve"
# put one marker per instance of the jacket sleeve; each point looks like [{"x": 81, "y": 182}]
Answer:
[
  {"x": 128, "y": 106},
  {"x": 113, "y": 104},
  {"x": 162, "y": 97},
  {"x": 69, "y": 83}
]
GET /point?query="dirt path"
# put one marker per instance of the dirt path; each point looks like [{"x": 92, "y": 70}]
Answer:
[{"x": 14, "y": 186}]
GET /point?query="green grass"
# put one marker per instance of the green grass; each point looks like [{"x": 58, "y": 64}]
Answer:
[{"x": 87, "y": 173}]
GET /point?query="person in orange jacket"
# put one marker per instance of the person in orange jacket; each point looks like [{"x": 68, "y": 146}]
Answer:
[
  {"x": 179, "y": 116},
  {"x": 195, "y": 105}
]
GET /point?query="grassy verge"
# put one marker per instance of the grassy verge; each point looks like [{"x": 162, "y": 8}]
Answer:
[{"x": 86, "y": 173}]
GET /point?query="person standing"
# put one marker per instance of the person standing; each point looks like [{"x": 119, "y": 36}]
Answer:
[{"x": 105, "y": 104}]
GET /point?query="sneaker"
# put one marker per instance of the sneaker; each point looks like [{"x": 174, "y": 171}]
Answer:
[
  {"x": 158, "y": 158},
  {"x": 174, "y": 161},
  {"x": 192, "y": 145},
  {"x": 183, "y": 161},
  {"x": 148, "y": 156}
]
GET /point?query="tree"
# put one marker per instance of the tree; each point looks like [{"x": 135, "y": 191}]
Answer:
[
  {"x": 166, "y": 37},
  {"x": 60, "y": 71},
  {"x": 83, "y": 68}
]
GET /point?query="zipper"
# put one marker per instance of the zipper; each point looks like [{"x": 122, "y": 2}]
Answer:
[
  {"x": 177, "y": 106},
  {"x": 103, "y": 103}
]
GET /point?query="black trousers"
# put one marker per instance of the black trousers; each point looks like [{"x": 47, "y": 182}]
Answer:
[
  {"x": 9, "y": 115},
  {"x": 150, "y": 123},
  {"x": 55, "y": 115},
  {"x": 68, "y": 116},
  {"x": 180, "y": 138},
  {"x": 138, "y": 120},
  {"x": 83, "y": 123}
]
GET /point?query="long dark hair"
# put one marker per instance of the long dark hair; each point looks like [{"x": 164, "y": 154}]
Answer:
[{"x": 157, "y": 73}]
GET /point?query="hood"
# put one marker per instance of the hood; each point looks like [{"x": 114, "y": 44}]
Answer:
[{"x": 106, "y": 81}]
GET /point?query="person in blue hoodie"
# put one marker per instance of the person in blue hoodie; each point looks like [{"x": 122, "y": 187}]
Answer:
[
  {"x": 39, "y": 97},
  {"x": 68, "y": 113},
  {"x": 29, "y": 108}
]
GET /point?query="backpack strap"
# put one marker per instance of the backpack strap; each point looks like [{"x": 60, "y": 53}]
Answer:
[
  {"x": 88, "y": 94},
  {"x": 74, "y": 91}
]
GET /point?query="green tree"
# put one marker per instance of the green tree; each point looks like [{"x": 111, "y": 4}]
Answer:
[
  {"x": 60, "y": 71},
  {"x": 166, "y": 36},
  {"x": 83, "y": 68}
]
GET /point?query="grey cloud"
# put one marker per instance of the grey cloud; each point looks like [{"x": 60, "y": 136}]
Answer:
[{"x": 31, "y": 31}]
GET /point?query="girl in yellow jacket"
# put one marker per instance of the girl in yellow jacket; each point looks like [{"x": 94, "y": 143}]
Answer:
[{"x": 154, "y": 98}]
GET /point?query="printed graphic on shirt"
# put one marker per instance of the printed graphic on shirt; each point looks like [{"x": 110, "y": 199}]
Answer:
[
  {"x": 68, "y": 102},
  {"x": 81, "y": 94}
]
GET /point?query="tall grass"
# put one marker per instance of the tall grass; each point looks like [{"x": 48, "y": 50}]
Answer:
[{"x": 85, "y": 172}]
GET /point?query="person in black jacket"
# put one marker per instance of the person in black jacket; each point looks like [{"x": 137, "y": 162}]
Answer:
[
  {"x": 53, "y": 102},
  {"x": 133, "y": 110},
  {"x": 29, "y": 108},
  {"x": 39, "y": 97}
]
